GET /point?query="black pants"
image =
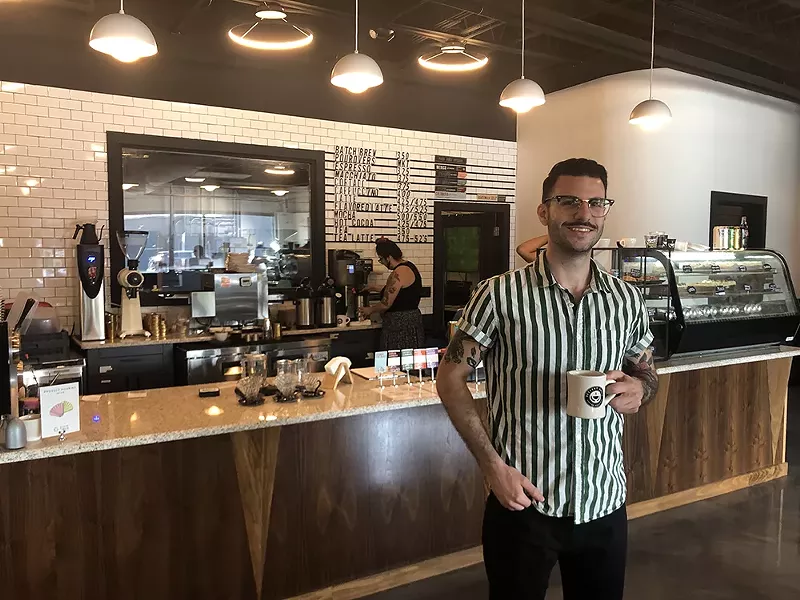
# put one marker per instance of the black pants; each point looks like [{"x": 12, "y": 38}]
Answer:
[{"x": 520, "y": 549}]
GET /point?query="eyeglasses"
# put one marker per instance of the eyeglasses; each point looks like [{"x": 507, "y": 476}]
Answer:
[{"x": 598, "y": 207}]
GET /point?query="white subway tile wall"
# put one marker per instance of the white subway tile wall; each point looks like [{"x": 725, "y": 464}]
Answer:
[{"x": 53, "y": 171}]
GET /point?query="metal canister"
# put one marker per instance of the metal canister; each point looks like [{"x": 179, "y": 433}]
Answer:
[
  {"x": 111, "y": 327},
  {"x": 276, "y": 330},
  {"x": 720, "y": 237},
  {"x": 737, "y": 238}
]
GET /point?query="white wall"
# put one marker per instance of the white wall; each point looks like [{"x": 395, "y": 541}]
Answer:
[
  {"x": 720, "y": 138},
  {"x": 53, "y": 171}
]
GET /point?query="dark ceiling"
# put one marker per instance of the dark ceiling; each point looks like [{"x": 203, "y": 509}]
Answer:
[{"x": 753, "y": 44}]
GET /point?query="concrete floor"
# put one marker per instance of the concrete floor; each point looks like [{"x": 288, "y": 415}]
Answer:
[{"x": 742, "y": 546}]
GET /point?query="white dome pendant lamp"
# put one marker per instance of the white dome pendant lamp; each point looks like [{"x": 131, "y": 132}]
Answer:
[
  {"x": 521, "y": 95},
  {"x": 652, "y": 113},
  {"x": 122, "y": 36},
  {"x": 356, "y": 72}
]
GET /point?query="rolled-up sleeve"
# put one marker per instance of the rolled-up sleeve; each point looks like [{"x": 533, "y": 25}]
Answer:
[
  {"x": 479, "y": 320},
  {"x": 641, "y": 337}
]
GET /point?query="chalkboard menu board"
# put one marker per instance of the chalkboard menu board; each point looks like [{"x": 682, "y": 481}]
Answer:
[{"x": 392, "y": 195}]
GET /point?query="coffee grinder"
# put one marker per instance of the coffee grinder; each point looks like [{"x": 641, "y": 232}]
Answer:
[
  {"x": 132, "y": 244},
  {"x": 91, "y": 266}
]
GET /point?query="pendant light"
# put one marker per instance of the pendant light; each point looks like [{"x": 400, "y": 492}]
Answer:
[
  {"x": 522, "y": 94},
  {"x": 453, "y": 57},
  {"x": 271, "y": 31},
  {"x": 356, "y": 72},
  {"x": 122, "y": 36},
  {"x": 652, "y": 113}
]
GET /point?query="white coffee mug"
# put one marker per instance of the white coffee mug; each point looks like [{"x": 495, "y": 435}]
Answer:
[
  {"x": 586, "y": 394},
  {"x": 627, "y": 242},
  {"x": 342, "y": 320},
  {"x": 33, "y": 427}
]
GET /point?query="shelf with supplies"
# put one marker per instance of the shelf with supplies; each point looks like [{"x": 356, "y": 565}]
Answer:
[{"x": 702, "y": 301}]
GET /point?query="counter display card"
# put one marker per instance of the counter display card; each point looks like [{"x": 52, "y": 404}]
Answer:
[
  {"x": 419, "y": 359},
  {"x": 394, "y": 361},
  {"x": 372, "y": 195},
  {"x": 60, "y": 405},
  {"x": 381, "y": 362},
  {"x": 407, "y": 359},
  {"x": 432, "y": 357}
]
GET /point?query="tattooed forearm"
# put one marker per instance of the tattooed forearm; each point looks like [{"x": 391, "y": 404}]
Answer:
[{"x": 643, "y": 369}]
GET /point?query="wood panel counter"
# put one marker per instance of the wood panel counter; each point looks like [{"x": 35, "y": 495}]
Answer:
[{"x": 174, "y": 496}]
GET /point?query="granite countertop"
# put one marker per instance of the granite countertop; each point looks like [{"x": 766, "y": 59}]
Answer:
[
  {"x": 737, "y": 356},
  {"x": 143, "y": 341},
  {"x": 296, "y": 332},
  {"x": 169, "y": 414}
]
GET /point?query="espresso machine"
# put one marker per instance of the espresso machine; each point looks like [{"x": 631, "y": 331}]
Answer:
[
  {"x": 132, "y": 244},
  {"x": 350, "y": 272},
  {"x": 91, "y": 267}
]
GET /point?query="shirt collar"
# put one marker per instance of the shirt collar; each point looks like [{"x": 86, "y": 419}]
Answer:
[{"x": 544, "y": 277}]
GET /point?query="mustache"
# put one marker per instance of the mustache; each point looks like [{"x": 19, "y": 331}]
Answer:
[{"x": 580, "y": 224}]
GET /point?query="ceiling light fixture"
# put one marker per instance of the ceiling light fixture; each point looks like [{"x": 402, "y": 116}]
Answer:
[
  {"x": 210, "y": 188},
  {"x": 122, "y": 36},
  {"x": 280, "y": 193},
  {"x": 356, "y": 72},
  {"x": 271, "y": 31},
  {"x": 453, "y": 57},
  {"x": 521, "y": 95},
  {"x": 194, "y": 179},
  {"x": 127, "y": 186},
  {"x": 652, "y": 113},
  {"x": 278, "y": 170}
]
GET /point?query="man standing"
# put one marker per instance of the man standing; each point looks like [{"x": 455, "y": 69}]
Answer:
[{"x": 557, "y": 482}]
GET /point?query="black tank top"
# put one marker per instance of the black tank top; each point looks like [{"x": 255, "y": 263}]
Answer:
[{"x": 408, "y": 298}]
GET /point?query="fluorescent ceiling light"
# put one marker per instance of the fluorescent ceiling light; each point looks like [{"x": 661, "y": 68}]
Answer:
[
  {"x": 127, "y": 186},
  {"x": 271, "y": 31},
  {"x": 210, "y": 188},
  {"x": 279, "y": 170},
  {"x": 280, "y": 193},
  {"x": 122, "y": 36},
  {"x": 194, "y": 179},
  {"x": 453, "y": 58},
  {"x": 356, "y": 72}
]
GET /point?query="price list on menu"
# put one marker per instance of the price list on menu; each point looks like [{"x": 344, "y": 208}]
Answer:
[{"x": 392, "y": 195}]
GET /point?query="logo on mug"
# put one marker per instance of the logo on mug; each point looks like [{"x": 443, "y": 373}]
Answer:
[{"x": 594, "y": 396}]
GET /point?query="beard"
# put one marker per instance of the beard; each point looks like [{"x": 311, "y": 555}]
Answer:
[{"x": 570, "y": 240}]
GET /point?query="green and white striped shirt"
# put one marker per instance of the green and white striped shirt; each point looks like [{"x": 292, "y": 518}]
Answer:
[{"x": 535, "y": 333}]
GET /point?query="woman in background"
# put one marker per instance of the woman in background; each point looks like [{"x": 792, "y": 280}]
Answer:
[
  {"x": 527, "y": 250},
  {"x": 399, "y": 305}
]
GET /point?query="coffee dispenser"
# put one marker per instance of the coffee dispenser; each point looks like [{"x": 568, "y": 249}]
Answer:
[
  {"x": 91, "y": 266},
  {"x": 351, "y": 274}
]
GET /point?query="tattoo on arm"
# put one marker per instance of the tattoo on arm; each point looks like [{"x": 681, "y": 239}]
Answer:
[
  {"x": 456, "y": 351},
  {"x": 643, "y": 369},
  {"x": 392, "y": 287}
]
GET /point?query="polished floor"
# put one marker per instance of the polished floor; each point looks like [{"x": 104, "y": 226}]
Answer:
[{"x": 742, "y": 546}]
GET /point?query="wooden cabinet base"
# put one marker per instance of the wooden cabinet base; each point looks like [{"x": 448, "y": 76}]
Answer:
[{"x": 281, "y": 512}]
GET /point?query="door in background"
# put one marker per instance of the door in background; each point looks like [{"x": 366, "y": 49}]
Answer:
[{"x": 471, "y": 244}]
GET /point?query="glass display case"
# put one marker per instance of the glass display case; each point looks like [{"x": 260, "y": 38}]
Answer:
[{"x": 701, "y": 301}]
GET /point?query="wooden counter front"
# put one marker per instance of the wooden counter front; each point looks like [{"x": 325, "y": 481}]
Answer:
[{"x": 278, "y": 511}]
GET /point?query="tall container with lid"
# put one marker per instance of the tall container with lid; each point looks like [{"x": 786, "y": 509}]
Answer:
[
  {"x": 91, "y": 265},
  {"x": 304, "y": 305}
]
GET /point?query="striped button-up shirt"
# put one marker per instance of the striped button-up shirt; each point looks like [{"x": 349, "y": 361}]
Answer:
[{"x": 535, "y": 333}]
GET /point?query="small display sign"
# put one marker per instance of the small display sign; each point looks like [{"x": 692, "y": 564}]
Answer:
[
  {"x": 407, "y": 359},
  {"x": 687, "y": 268},
  {"x": 432, "y": 357},
  {"x": 394, "y": 360},
  {"x": 691, "y": 290},
  {"x": 719, "y": 290},
  {"x": 419, "y": 359},
  {"x": 381, "y": 362},
  {"x": 60, "y": 405},
  {"x": 636, "y": 273},
  {"x": 743, "y": 268},
  {"x": 715, "y": 269},
  {"x": 767, "y": 267},
  {"x": 747, "y": 287}
]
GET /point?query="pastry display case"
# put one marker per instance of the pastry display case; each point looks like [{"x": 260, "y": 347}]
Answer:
[{"x": 702, "y": 301}]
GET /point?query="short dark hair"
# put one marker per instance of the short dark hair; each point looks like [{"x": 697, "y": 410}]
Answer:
[
  {"x": 386, "y": 247},
  {"x": 574, "y": 167}
]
